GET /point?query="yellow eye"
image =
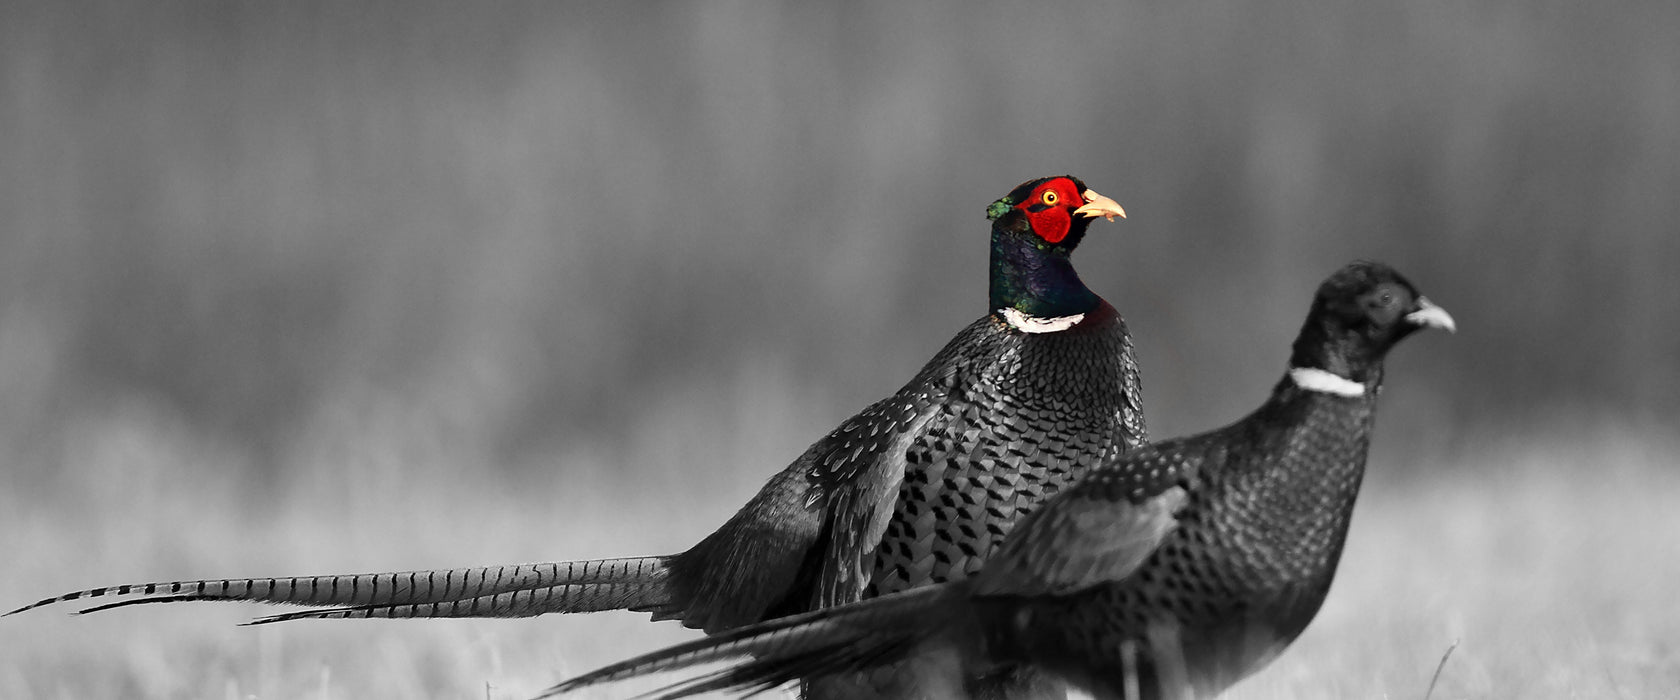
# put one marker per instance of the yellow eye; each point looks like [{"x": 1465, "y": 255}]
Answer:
[{"x": 1050, "y": 198}]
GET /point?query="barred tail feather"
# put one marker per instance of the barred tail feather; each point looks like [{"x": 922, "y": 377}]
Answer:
[
  {"x": 492, "y": 591},
  {"x": 568, "y": 598},
  {"x": 852, "y": 637}
]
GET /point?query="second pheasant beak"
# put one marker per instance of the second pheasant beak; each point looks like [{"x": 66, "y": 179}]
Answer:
[
  {"x": 1431, "y": 316},
  {"x": 1097, "y": 205}
]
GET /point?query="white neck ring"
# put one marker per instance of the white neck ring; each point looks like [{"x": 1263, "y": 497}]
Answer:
[
  {"x": 1033, "y": 324},
  {"x": 1314, "y": 379}
]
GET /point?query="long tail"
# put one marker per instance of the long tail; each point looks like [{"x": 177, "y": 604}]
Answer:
[
  {"x": 852, "y": 637},
  {"x": 494, "y": 591}
]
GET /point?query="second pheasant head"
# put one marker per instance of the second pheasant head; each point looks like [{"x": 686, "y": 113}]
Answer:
[{"x": 1357, "y": 316}]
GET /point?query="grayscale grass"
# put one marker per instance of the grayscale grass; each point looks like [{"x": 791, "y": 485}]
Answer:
[{"x": 1551, "y": 562}]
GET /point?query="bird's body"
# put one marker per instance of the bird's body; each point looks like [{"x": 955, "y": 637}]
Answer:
[
  {"x": 994, "y": 423},
  {"x": 1170, "y": 571},
  {"x": 1021, "y": 416},
  {"x": 1035, "y": 412},
  {"x": 1244, "y": 570},
  {"x": 917, "y": 488}
]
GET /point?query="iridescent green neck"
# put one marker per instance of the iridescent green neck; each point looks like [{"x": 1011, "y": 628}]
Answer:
[{"x": 1036, "y": 279}]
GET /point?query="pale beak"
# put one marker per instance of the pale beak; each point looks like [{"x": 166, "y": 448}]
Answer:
[
  {"x": 1432, "y": 316},
  {"x": 1097, "y": 205}
]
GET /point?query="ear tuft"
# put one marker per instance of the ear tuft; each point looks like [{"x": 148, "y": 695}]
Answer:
[
  {"x": 997, "y": 209},
  {"x": 1014, "y": 221}
]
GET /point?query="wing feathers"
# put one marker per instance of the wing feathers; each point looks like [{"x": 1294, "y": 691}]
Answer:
[{"x": 1097, "y": 532}]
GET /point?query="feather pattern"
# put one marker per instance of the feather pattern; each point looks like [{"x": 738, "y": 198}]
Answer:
[{"x": 576, "y": 586}]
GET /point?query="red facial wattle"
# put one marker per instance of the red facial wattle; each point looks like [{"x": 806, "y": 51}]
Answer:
[{"x": 1052, "y": 221}]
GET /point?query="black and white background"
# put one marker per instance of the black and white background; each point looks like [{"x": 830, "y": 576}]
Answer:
[{"x": 298, "y": 288}]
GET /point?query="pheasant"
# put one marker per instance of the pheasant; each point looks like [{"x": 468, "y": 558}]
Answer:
[
  {"x": 1169, "y": 571},
  {"x": 918, "y": 488}
]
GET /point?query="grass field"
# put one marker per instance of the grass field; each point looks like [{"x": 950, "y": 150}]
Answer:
[{"x": 1549, "y": 561}]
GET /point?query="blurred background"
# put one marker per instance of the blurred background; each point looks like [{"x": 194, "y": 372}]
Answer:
[{"x": 289, "y": 288}]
